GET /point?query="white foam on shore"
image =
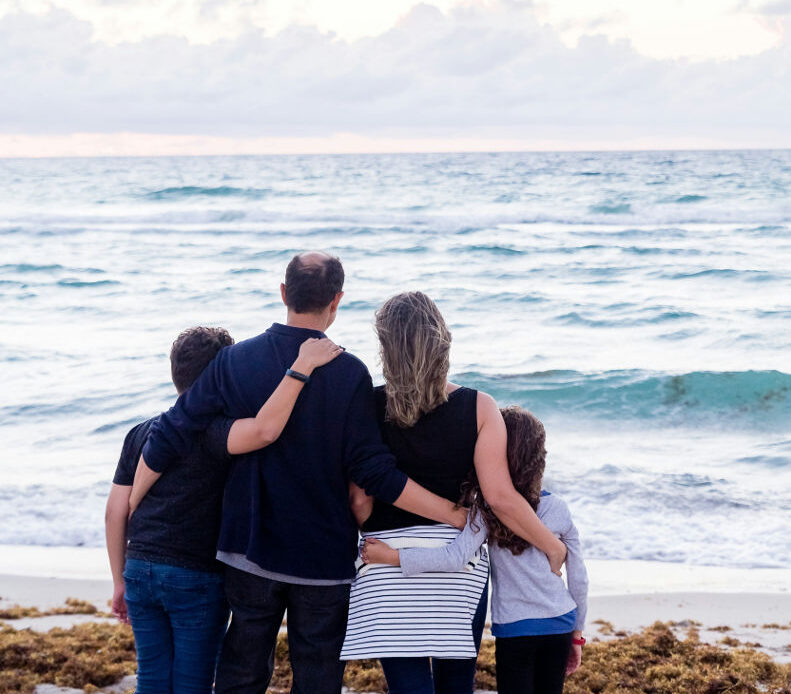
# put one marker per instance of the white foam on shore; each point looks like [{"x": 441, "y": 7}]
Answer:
[{"x": 607, "y": 577}]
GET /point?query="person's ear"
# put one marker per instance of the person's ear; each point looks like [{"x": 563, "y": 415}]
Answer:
[
  {"x": 335, "y": 302},
  {"x": 283, "y": 292}
]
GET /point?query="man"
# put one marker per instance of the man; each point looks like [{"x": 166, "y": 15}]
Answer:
[{"x": 288, "y": 537}]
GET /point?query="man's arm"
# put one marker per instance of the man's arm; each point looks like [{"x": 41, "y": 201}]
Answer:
[
  {"x": 491, "y": 466},
  {"x": 252, "y": 433},
  {"x": 171, "y": 434},
  {"x": 115, "y": 521},
  {"x": 372, "y": 466},
  {"x": 361, "y": 504}
]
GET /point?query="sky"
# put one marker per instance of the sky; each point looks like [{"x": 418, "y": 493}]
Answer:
[{"x": 88, "y": 77}]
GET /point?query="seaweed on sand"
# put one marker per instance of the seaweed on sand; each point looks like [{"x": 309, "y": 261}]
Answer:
[
  {"x": 86, "y": 655},
  {"x": 653, "y": 661},
  {"x": 72, "y": 606}
]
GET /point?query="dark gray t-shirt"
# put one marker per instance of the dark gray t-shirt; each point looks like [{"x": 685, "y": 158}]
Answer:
[{"x": 178, "y": 521}]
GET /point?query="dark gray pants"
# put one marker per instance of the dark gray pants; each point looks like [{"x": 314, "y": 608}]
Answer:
[{"x": 316, "y": 627}]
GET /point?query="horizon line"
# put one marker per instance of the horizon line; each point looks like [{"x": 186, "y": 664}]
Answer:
[{"x": 313, "y": 153}]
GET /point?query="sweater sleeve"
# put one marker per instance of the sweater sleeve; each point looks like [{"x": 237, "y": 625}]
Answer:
[
  {"x": 575, "y": 570},
  {"x": 369, "y": 461},
  {"x": 450, "y": 557},
  {"x": 171, "y": 436}
]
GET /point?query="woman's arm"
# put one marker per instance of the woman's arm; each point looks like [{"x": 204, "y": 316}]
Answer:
[
  {"x": 422, "y": 502},
  {"x": 491, "y": 466},
  {"x": 115, "y": 520},
  {"x": 252, "y": 433}
]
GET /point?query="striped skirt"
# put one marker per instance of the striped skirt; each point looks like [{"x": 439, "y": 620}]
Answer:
[{"x": 430, "y": 614}]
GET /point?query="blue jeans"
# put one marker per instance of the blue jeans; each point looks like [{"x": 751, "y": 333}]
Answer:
[
  {"x": 437, "y": 675},
  {"x": 178, "y": 618}
]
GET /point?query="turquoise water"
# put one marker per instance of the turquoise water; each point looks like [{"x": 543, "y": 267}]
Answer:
[{"x": 637, "y": 302}]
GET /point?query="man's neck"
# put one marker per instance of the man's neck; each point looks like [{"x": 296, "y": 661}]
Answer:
[{"x": 309, "y": 321}]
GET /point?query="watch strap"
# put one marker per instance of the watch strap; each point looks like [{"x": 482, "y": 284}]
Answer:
[{"x": 296, "y": 374}]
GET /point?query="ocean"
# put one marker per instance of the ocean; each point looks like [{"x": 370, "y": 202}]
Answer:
[{"x": 637, "y": 302}]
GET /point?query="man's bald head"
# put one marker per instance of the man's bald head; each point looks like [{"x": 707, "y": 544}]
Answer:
[{"x": 313, "y": 279}]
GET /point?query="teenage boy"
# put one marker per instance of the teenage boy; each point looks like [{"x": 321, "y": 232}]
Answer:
[{"x": 166, "y": 578}]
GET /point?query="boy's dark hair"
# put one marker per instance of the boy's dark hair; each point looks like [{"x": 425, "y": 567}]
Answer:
[
  {"x": 192, "y": 351},
  {"x": 526, "y": 462},
  {"x": 311, "y": 287}
]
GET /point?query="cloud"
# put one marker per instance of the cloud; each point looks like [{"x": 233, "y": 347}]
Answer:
[
  {"x": 477, "y": 71},
  {"x": 779, "y": 7}
]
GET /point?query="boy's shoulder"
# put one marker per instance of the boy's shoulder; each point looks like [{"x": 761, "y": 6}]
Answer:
[
  {"x": 131, "y": 450},
  {"x": 136, "y": 437}
]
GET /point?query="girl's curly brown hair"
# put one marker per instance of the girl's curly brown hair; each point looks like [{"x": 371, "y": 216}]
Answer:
[{"x": 526, "y": 462}]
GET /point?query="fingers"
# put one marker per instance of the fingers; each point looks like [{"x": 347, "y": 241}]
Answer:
[
  {"x": 370, "y": 543},
  {"x": 575, "y": 659}
]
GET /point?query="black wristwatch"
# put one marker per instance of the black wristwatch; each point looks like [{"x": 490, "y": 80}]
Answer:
[{"x": 299, "y": 376}]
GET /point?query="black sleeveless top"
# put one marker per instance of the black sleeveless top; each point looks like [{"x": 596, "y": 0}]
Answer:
[{"x": 437, "y": 453}]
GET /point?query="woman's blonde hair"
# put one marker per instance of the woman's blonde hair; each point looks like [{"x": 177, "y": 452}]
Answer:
[{"x": 414, "y": 344}]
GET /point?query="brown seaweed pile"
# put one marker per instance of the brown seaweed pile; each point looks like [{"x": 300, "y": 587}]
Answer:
[
  {"x": 85, "y": 656},
  {"x": 72, "y": 606},
  {"x": 653, "y": 661}
]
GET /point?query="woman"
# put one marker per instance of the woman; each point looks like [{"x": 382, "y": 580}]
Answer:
[{"x": 426, "y": 629}]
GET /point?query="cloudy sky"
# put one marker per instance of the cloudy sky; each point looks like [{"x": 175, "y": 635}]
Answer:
[{"x": 206, "y": 76}]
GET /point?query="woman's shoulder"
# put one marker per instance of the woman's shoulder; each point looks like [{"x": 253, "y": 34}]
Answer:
[{"x": 456, "y": 389}]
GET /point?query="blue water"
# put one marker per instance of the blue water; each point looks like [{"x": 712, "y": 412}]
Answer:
[{"x": 637, "y": 302}]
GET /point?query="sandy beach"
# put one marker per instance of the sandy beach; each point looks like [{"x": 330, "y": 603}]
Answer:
[{"x": 750, "y": 606}]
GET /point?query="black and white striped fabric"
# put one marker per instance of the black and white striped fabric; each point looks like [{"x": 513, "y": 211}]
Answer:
[{"x": 430, "y": 614}]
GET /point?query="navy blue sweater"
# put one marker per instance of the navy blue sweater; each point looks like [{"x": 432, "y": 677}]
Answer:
[{"x": 286, "y": 506}]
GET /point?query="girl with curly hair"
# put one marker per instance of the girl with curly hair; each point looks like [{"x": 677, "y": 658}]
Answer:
[{"x": 536, "y": 619}]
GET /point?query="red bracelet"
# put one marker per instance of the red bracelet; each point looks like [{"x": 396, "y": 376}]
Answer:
[{"x": 579, "y": 642}]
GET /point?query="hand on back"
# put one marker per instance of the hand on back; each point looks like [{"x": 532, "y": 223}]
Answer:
[{"x": 318, "y": 352}]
